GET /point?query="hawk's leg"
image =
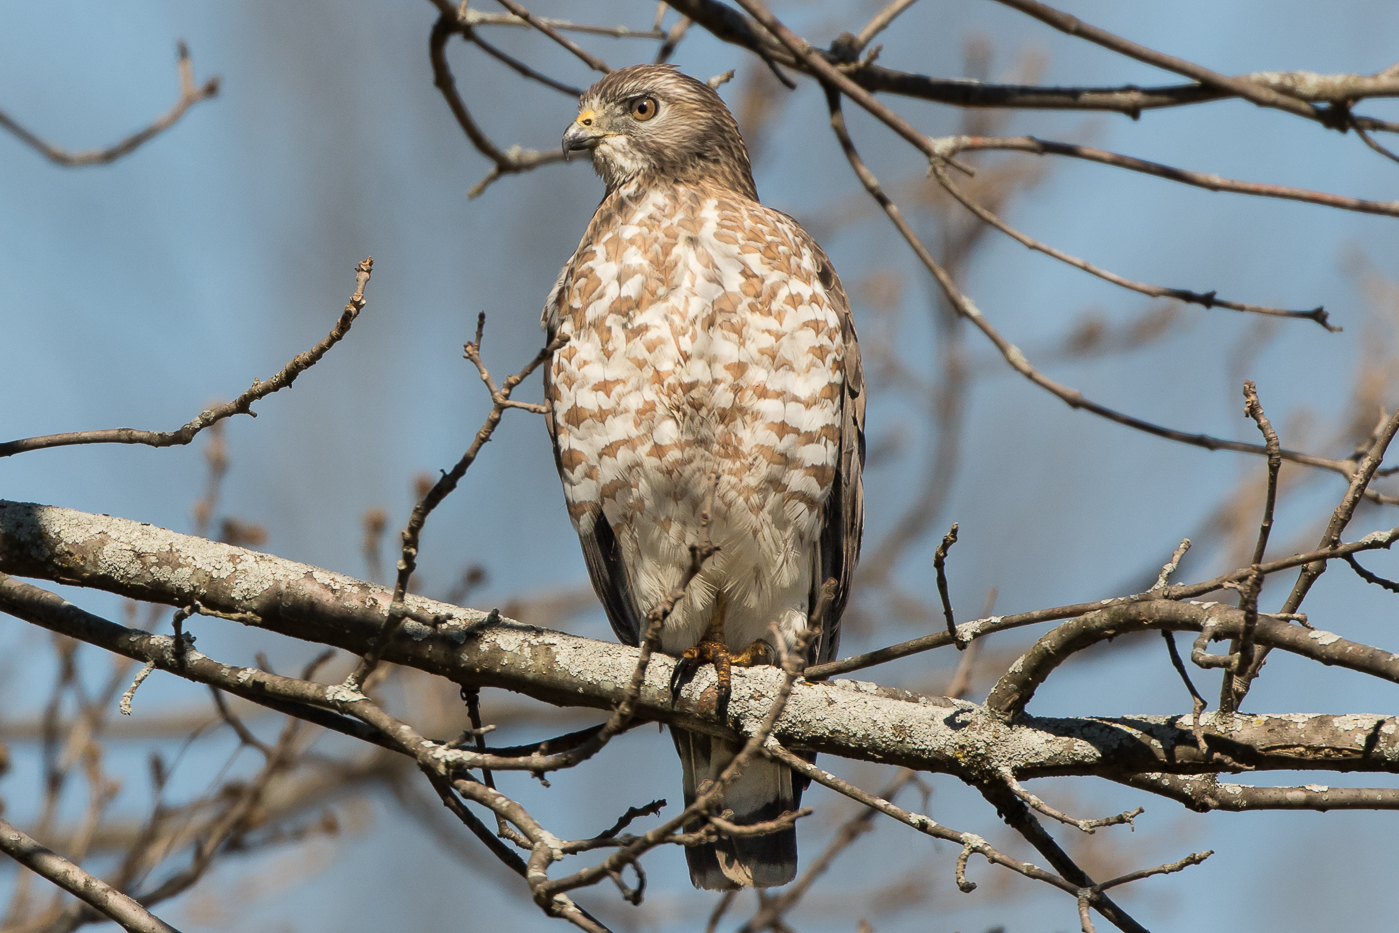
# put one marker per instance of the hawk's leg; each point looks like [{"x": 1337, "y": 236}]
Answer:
[{"x": 713, "y": 649}]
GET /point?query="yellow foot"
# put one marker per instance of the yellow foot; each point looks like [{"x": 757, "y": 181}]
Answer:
[{"x": 718, "y": 654}]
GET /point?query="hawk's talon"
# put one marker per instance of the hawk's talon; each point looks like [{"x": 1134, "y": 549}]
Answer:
[
  {"x": 679, "y": 674},
  {"x": 723, "y": 659},
  {"x": 760, "y": 652}
]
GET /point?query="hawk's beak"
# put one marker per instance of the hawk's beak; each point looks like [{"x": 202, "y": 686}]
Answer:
[{"x": 583, "y": 133}]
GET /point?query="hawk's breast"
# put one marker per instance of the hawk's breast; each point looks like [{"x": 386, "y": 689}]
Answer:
[{"x": 703, "y": 346}]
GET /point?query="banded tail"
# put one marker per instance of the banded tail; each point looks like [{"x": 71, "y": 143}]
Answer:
[{"x": 764, "y": 791}]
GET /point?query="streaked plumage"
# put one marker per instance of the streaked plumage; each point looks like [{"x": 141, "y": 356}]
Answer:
[{"x": 708, "y": 335}]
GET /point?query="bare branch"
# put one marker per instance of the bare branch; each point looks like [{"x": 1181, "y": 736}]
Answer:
[
  {"x": 1340, "y": 518},
  {"x": 505, "y": 162},
  {"x": 190, "y": 94},
  {"x": 408, "y": 562},
  {"x": 1203, "y": 793},
  {"x": 1020, "y": 818},
  {"x": 1087, "y": 826},
  {"x": 1204, "y": 299},
  {"x": 1015, "y": 688},
  {"x": 470, "y": 16},
  {"x": 928, "y": 733},
  {"x": 982, "y": 627},
  {"x": 1167, "y": 869},
  {"x": 879, "y": 23},
  {"x": 521, "y": 68},
  {"x": 242, "y": 405},
  {"x": 728, "y": 25},
  {"x": 1035, "y": 146},
  {"x": 1242, "y": 648},
  {"x": 1369, "y": 141},
  {"x": 672, "y": 39},
  {"x": 592, "y": 61},
  {"x": 939, "y": 560},
  {"x": 1170, "y": 567},
  {"x": 102, "y": 897},
  {"x": 1261, "y": 95},
  {"x": 1369, "y": 577},
  {"x": 1016, "y": 358}
]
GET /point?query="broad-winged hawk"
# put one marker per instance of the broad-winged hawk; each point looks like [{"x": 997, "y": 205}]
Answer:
[{"x": 710, "y": 359}]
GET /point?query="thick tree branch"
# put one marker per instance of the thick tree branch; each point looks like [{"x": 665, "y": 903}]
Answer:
[
  {"x": 1204, "y": 792},
  {"x": 103, "y": 898},
  {"x": 849, "y": 719}
]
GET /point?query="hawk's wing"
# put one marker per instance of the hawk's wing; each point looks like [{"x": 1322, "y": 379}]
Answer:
[
  {"x": 600, "y": 551},
  {"x": 843, "y": 514}
]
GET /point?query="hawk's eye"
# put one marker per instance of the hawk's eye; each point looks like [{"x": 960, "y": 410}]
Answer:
[{"x": 643, "y": 108}]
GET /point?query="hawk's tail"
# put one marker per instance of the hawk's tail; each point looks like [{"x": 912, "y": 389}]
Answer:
[{"x": 764, "y": 791}]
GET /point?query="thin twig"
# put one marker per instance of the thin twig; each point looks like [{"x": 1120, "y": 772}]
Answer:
[
  {"x": 1166, "y": 869},
  {"x": 130, "y": 693},
  {"x": 623, "y": 821},
  {"x": 1259, "y": 94},
  {"x": 241, "y": 405},
  {"x": 1197, "y": 701},
  {"x": 504, "y": 162},
  {"x": 470, "y": 17},
  {"x": 672, "y": 39},
  {"x": 1016, "y": 358},
  {"x": 189, "y": 96},
  {"x": 880, "y": 22},
  {"x": 591, "y": 60},
  {"x": 1170, "y": 567},
  {"x": 1036, "y": 146},
  {"x": 1204, "y": 299},
  {"x": 1369, "y": 141},
  {"x": 939, "y": 561},
  {"x": 1087, "y": 826},
  {"x": 1254, "y": 409},
  {"x": 1242, "y": 649},
  {"x": 521, "y": 68},
  {"x": 1369, "y": 577},
  {"x": 500, "y": 401},
  {"x": 719, "y": 910}
]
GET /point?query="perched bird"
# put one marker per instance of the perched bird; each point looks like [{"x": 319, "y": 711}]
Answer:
[{"x": 711, "y": 363}]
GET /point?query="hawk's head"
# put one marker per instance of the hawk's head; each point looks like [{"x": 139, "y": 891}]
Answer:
[{"x": 652, "y": 123}]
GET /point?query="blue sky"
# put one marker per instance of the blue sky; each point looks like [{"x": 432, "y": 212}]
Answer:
[{"x": 136, "y": 293}]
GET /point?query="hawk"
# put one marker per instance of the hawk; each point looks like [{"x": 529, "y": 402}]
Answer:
[{"x": 711, "y": 363}]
